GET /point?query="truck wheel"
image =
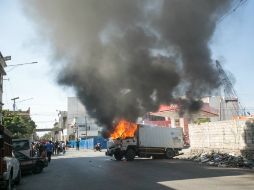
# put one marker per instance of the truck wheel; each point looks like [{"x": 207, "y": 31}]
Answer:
[
  {"x": 170, "y": 153},
  {"x": 118, "y": 156},
  {"x": 130, "y": 154}
]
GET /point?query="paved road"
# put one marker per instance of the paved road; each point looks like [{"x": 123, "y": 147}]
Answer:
[{"x": 92, "y": 170}]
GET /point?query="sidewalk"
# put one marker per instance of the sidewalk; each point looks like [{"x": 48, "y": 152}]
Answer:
[{"x": 83, "y": 150}]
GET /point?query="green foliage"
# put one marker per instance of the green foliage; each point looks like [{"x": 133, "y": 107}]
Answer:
[
  {"x": 46, "y": 137},
  {"x": 21, "y": 125},
  {"x": 201, "y": 120}
]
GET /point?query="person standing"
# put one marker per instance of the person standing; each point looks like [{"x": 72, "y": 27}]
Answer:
[
  {"x": 32, "y": 153},
  {"x": 43, "y": 153},
  {"x": 56, "y": 148},
  {"x": 77, "y": 144},
  {"x": 49, "y": 149},
  {"x": 63, "y": 147},
  {"x": 67, "y": 145}
]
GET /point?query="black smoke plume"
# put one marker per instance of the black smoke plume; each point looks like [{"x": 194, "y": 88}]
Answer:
[{"x": 126, "y": 57}]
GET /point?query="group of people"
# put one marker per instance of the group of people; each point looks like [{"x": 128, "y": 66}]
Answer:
[
  {"x": 38, "y": 149},
  {"x": 47, "y": 149}
]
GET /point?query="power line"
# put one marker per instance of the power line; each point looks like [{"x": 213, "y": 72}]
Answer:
[
  {"x": 24, "y": 100},
  {"x": 236, "y": 6},
  {"x": 44, "y": 121}
]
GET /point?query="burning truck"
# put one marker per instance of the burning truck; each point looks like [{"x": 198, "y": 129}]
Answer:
[{"x": 130, "y": 140}]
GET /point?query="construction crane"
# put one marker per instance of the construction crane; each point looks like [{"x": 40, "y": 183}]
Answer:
[{"x": 230, "y": 95}]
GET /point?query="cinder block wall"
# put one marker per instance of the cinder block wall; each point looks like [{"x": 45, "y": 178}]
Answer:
[{"x": 223, "y": 136}]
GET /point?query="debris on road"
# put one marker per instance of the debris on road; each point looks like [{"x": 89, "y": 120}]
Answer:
[{"x": 219, "y": 159}]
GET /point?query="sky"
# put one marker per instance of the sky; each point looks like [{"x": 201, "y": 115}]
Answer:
[
  {"x": 35, "y": 84},
  {"x": 36, "y": 87}
]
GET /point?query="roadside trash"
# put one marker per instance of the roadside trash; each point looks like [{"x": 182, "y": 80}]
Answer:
[{"x": 220, "y": 160}]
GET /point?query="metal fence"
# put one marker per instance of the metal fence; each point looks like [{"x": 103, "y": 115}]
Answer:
[{"x": 89, "y": 143}]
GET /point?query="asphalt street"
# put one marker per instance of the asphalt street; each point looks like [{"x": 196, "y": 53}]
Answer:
[{"x": 85, "y": 170}]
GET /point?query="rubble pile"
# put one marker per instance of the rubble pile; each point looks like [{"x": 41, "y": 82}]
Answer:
[{"x": 222, "y": 160}]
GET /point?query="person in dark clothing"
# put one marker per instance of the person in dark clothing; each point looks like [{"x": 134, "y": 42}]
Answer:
[
  {"x": 67, "y": 145},
  {"x": 49, "y": 149},
  {"x": 56, "y": 148},
  {"x": 77, "y": 144}
]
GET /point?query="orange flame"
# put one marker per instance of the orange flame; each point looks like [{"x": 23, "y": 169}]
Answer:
[{"x": 124, "y": 129}]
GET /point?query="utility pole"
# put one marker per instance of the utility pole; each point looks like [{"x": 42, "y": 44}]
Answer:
[
  {"x": 76, "y": 126},
  {"x": 14, "y": 103},
  {"x": 77, "y": 131},
  {"x": 86, "y": 126},
  {"x": 86, "y": 131}
]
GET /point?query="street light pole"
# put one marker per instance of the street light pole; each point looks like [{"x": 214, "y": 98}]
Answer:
[
  {"x": 13, "y": 66},
  {"x": 20, "y": 64},
  {"x": 76, "y": 126}
]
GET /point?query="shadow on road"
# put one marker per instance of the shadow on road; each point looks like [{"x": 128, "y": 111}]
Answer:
[{"x": 100, "y": 172}]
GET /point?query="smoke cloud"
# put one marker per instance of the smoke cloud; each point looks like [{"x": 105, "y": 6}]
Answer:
[{"x": 125, "y": 58}]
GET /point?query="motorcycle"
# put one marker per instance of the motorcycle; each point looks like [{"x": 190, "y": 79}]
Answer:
[{"x": 98, "y": 147}]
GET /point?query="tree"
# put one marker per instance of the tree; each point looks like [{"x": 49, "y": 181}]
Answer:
[
  {"x": 46, "y": 137},
  {"x": 19, "y": 123}
]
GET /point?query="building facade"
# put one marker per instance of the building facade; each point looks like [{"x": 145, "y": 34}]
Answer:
[
  {"x": 227, "y": 108},
  {"x": 168, "y": 116},
  {"x": 79, "y": 123},
  {"x": 2, "y": 73},
  {"x": 59, "y": 132}
]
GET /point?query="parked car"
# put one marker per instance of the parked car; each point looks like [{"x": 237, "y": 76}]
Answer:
[
  {"x": 31, "y": 164},
  {"x": 22, "y": 145},
  {"x": 10, "y": 172}
]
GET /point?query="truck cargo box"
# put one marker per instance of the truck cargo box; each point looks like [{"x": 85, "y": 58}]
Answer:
[{"x": 154, "y": 136}]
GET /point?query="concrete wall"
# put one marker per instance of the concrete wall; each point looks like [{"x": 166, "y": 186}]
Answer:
[{"x": 225, "y": 136}]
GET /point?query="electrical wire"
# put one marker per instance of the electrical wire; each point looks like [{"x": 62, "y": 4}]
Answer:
[{"x": 236, "y": 6}]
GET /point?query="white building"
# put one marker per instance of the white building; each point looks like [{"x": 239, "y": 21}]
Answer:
[
  {"x": 79, "y": 123},
  {"x": 2, "y": 73},
  {"x": 61, "y": 125}
]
